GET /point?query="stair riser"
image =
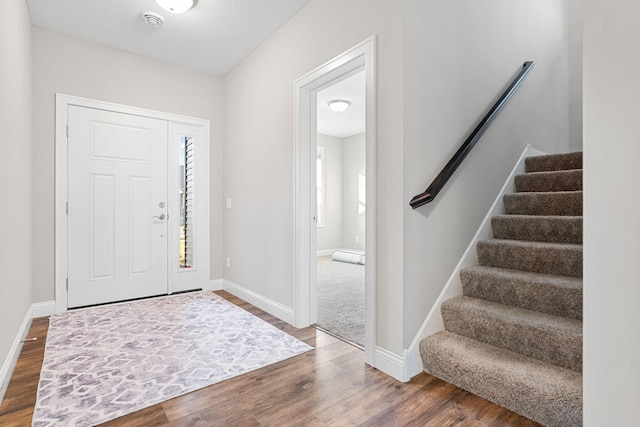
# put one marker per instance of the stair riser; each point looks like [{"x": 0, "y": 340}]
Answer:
[
  {"x": 565, "y": 203},
  {"x": 559, "y": 347},
  {"x": 549, "y": 181},
  {"x": 545, "y": 298},
  {"x": 562, "y": 260},
  {"x": 538, "y": 228},
  {"x": 554, "y": 162}
]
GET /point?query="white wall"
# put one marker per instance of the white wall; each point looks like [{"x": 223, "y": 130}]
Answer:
[
  {"x": 353, "y": 164},
  {"x": 344, "y": 162},
  {"x": 575, "y": 75},
  {"x": 611, "y": 213},
  {"x": 15, "y": 169},
  {"x": 258, "y": 152},
  {"x": 330, "y": 236},
  {"x": 459, "y": 56},
  {"x": 75, "y": 67}
]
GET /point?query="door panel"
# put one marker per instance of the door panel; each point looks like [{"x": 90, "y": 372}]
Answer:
[
  {"x": 101, "y": 226},
  {"x": 117, "y": 192},
  {"x": 139, "y": 237}
]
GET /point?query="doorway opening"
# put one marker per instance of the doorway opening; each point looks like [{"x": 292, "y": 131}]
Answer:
[
  {"x": 341, "y": 209},
  {"x": 359, "y": 59}
]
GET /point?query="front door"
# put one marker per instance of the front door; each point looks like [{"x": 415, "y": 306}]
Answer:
[{"x": 117, "y": 211}]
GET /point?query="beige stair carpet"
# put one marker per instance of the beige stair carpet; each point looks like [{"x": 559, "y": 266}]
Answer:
[{"x": 515, "y": 336}]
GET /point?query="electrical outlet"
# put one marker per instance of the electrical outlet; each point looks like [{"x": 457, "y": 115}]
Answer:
[
  {"x": 228, "y": 262},
  {"x": 357, "y": 239},
  {"x": 229, "y": 203}
]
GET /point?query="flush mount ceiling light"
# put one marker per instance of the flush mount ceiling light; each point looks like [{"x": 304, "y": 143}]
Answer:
[
  {"x": 339, "y": 105},
  {"x": 175, "y": 6},
  {"x": 152, "y": 19}
]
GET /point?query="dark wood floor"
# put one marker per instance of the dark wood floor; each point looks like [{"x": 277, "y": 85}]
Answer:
[{"x": 329, "y": 386}]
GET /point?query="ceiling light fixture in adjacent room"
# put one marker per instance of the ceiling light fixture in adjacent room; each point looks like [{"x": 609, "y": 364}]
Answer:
[
  {"x": 152, "y": 19},
  {"x": 176, "y": 6},
  {"x": 339, "y": 105}
]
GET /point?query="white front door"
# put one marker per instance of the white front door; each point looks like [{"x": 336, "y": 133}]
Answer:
[{"x": 117, "y": 212}]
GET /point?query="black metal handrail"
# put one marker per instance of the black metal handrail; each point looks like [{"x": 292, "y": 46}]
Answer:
[{"x": 430, "y": 193}]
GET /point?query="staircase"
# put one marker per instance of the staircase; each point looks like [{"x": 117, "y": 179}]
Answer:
[{"x": 515, "y": 336}]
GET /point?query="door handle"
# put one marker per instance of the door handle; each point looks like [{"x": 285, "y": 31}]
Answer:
[{"x": 160, "y": 217}]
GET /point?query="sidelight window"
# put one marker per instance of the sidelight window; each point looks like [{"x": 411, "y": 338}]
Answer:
[{"x": 186, "y": 202}]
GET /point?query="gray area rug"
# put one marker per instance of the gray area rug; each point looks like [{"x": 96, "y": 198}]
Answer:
[
  {"x": 104, "y": 362},
  {"x": 340, "y": 288}
]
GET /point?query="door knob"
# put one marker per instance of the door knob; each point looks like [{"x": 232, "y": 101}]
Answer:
[{"x": 161, "y": 216}]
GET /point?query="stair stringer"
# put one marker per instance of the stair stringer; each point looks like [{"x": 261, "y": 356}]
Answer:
[{"x": 433, "y": 322}]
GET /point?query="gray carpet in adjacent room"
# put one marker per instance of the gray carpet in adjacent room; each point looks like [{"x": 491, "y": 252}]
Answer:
[{"x": 340, "y": 288}]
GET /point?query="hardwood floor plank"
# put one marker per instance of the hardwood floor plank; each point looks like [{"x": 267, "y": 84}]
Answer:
[
  {"x": 243, "y": 419},
  {"x": 328, "y": 386},
  {"x": 231, "y": 394},
  {"x": 151, "y": 416},
  {"x": 420, "y": 408},
  {"x": 352, "y": 409},
  {"x": 19, "y": 400},
  {"x": 491, "y": 414},
  {"x": 18, "y": 418}
]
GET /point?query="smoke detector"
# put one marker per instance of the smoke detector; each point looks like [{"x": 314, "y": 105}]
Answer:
[{"x": 152, "y": 19}]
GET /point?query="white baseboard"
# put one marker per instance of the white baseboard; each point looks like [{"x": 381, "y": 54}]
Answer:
[
  {"x": 215, "y": 285},
  {"x": 433, "y": 322},
  {"x": 43, "y": 309},
  {"x": 325, "y": 252},
  {"x": 12, "y": 357},
  {"x": 272, "y": 307},
  {"x": 389, "y": 363},
  {"x": 40, "y": 309}
]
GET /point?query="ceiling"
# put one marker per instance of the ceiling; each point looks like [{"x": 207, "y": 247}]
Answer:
[
  {"x": 213, "y": 37},
  {"x": 350, "y": 122}
]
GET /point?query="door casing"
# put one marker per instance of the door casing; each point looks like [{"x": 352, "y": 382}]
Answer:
[
  {"x": 358, "y": 58},
  {"x": 198, "y": 127}
]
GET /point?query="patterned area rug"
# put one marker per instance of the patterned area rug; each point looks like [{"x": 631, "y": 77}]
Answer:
[{"x": 104, "y": 362}]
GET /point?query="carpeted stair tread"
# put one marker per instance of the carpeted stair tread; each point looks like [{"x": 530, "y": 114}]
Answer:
[
  {"x": 552, "y": 339},
  {"x": 543, "y": 228},
  {"x": 543, "y": 392},
  {"x": 564, "y": 180},
  {"x": 544, "y": 203},
  {"x": 560, "y": 259},
  {"x": 556, "y": 295},
  {"x": 551, "y": 162}
]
